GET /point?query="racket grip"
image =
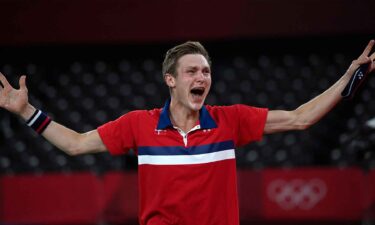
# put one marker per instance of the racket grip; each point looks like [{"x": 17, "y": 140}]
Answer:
[{"x": 355, "y": 81}]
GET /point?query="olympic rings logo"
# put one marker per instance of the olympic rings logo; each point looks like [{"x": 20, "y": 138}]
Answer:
[{"x": 297, "y": 193}]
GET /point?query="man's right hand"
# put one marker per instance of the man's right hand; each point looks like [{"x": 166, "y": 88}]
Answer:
[
  {"x": 71, "y": 142},
  {"x": 15, "y": 100}
]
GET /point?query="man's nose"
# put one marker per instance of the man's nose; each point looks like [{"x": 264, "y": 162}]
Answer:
[{"x": 200, "y": 76}]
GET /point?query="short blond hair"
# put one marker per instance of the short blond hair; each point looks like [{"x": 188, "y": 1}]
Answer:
[{"x": 174, "y": 54}]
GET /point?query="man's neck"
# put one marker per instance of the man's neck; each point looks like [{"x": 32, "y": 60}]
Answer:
[{"x": 183, "y": 118}]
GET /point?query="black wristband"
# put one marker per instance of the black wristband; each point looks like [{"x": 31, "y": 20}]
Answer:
[
  {"x": 39, "y": 121},
  {"x": 355, "y": 81}
]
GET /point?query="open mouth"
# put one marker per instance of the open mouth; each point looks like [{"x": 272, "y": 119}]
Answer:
[{"x": 198, "y": 91}]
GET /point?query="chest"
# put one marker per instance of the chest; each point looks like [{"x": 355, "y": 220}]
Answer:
[{"x": 177, "y": 137}]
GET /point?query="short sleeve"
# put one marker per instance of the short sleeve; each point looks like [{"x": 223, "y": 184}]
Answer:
[
  {"x": 250, "y": 123},
  {"x": 119, "y": 135}
]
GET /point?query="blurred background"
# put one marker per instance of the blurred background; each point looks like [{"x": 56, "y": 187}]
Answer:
[{"x": 90, "y": 61}]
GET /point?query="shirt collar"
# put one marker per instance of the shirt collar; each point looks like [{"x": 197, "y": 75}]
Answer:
[{"x": 205, "y": 119}]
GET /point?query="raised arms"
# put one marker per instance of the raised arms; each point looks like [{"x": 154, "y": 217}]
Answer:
[
  {"x": 312, "y": 111},
  {"x": 69, "y": 141}
]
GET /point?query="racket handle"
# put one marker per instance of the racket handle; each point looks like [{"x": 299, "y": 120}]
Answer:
[{"x": 355, "y": 81}]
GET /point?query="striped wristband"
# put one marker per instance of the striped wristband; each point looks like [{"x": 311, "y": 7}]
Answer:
[{"x": 39, "y": 121}]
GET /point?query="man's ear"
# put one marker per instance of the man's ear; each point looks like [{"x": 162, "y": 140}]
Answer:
[{"x": 170, "y": 80}]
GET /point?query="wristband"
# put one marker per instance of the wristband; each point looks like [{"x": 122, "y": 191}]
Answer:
[
  {"x": 38, "y": 121},
  {"x": 355, "y": 81}
]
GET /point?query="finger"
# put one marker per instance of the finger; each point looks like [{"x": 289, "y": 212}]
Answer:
[
  {"x": 4, "y": 81},
  {"x": 372, "y": 56},
  {"x": 372, "y": 64},
  {"x": 368, "y": 48},
  {"x": 22, "y": 82}
]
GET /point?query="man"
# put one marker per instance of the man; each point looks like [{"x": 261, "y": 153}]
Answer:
[{"x": 187, "y": 170}]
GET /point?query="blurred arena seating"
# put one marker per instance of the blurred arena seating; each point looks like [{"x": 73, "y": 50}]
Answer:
[{"x": 84, "y": 89}]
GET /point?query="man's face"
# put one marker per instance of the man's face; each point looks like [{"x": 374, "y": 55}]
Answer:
[{"x": 192, "y": 82}]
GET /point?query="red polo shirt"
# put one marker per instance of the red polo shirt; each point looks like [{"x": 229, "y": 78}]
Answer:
[{"x": 186, "y": 179}]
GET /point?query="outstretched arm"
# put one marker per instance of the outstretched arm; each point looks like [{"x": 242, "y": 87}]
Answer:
[
  {"x": 71, "y": 142},
  {"x": 312, "y": 111}
]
